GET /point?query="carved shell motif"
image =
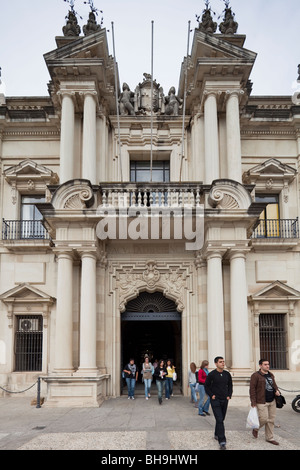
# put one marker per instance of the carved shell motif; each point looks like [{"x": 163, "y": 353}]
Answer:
[
  {"x": 222, "y": 200},
  {"x": 78, "y": 200}
]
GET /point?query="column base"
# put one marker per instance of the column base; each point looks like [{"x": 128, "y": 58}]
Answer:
[{"x": 87, "y": 372}]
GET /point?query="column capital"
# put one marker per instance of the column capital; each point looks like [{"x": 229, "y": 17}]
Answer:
[
  {"x": 235, "y": 253},
  {"x": 236, "y": 92}
]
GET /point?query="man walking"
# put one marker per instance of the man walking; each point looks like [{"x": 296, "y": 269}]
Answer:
[
  {"x": 263, "y": 389},
  {"x": 218, "y": 386}
]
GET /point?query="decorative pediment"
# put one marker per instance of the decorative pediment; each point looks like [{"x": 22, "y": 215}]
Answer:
[
  {"x": 29, "y": 176},
  {"x": 276, "y": 291},
  {"x": 26, "y": 299},
  {"x": 271, "y": 169},
  {"x": 228, "y": 194},
  {"x": 25, "y": 293}
]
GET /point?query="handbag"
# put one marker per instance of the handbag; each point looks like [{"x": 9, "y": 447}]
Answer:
[
  {"x": 174, "y": 376},
  {"x": 280, "y": 401}
]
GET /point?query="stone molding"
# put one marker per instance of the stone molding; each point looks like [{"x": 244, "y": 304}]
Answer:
[{"x": 229, "y": 194}]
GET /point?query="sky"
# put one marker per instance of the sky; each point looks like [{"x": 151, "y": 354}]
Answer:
[{"x": 28, "y": 29}]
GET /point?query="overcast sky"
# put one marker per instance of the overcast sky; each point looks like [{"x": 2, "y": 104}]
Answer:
[{"x": 28, "y": 30}]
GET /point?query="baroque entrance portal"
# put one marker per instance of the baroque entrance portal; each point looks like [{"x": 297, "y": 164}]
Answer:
[{"x": 151, "y": 325}]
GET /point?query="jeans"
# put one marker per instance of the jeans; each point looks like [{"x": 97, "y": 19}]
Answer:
[
  {"x": 202, "y": 408},
  {"x": 147, "y": 383},
  {"x": 169, "y": 386},
  {"x": 160, "y": 388},
  {"x": 219, "y": 408},
  {"x": 130, "y": 387},
  {"x": 193, "y": 392}
]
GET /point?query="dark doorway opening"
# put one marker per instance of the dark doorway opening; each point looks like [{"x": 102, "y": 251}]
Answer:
[{"x": 151, "y": 325}]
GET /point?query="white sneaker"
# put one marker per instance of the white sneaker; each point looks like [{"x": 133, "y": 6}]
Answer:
[
  {"x": 132, "y": 398},
  {"x": 147, "y": 398}
]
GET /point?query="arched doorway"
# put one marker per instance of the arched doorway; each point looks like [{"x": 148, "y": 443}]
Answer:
[{"x": 151, "y": 325}]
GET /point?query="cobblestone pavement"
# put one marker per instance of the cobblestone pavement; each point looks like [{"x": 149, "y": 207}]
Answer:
[{"x": 121, "y": 424}]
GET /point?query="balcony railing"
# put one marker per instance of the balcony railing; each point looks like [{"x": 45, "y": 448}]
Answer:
[
  {"x": 150, "y": 194},
  {"x": 24, "y": 230},
  {"x": 277, "y": 228}
]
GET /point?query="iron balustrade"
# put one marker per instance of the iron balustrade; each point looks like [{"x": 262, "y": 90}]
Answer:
[
  {"x": 24, "y": 230},
  {"x": 277, "y": 228}
]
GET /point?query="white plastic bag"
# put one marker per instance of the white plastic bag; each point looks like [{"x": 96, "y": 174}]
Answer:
[
  {"x": 174, "y": 376},
  {"x": 252, "y": 419}
]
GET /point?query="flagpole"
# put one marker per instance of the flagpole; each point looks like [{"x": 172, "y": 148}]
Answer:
[
  {"x": 184, "y": 99},
  {"x": 151, "y": 147},
  {"x": 117, "y": 103}
]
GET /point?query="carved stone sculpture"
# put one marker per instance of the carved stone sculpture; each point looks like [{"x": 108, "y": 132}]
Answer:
[
  {"x": 126, "y": 101},
  {"x": 92, "y": 26},
  {"x": 172, "y": 103},
  {"x": 207, "y": 24},
  {"x": 72, "y": 27},
  {"x": 228, "y": 26}
]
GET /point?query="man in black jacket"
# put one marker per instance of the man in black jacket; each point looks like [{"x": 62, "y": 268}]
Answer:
[{"x": 218, "y": 387}]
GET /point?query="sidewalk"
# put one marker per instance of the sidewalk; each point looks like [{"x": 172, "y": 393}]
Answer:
[{"x": 122, "y": 424}]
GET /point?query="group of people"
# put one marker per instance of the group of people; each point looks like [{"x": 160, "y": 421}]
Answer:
[
  {"x": 217, "y": 385},
  {"x": 215, "y": 389},
  {"x": 162, "y": 372}
]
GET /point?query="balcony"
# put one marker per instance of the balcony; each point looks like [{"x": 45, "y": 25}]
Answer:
[
  {"x": 274, "y": 229},
  {"x": 18, "y": 235},
  {"x": 24, "y": 230},
  {"x": 150, "y": 195}
]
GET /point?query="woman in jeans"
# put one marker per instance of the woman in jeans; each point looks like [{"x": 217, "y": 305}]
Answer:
[
  {"x": 192, "y": 382},
  {"x": 202, "y": 374},
  {"x": 160, "y": 375},
  {"x": 169, "y": 379},
  {"x": 131, "y": 375},
  {"x": 147, "y": 376}
]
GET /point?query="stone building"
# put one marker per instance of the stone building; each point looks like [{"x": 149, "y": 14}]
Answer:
[{"x": 159, "y": 222}]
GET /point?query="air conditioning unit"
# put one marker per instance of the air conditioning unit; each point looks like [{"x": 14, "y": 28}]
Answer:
[{"x": 28, "y": 324}]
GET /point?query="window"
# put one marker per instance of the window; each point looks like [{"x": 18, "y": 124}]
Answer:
[
  {"x": 272, "y": 335},
  {"x": 31, "y": 226},
  {"x": 269, "y": 219},
  {"x": 140, "y": 171},
  {"x": 28, "y": 343}
]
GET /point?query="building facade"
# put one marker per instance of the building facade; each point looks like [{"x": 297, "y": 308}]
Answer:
[{"x": 151, "y": 222}]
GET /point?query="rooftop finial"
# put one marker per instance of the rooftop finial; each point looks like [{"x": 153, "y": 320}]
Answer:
[
  {"x": 228, "y": 26},
  {"x": 72, "y": 27},
  {"x": 207, "y": 24},
  {"x": 92, "y": 26}
]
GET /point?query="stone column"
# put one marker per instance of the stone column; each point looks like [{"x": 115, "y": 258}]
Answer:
[
  {"x": 67, "y": 136},
  {"x": 215, "y": 307},
  {"x": 211, "y": 136},
  {"x": 240, "y": 341},
  {"x": 233, "y": 136},
  {"x": 88, "y": 326},
  {"x": 89, "y": 167},
  {"x": 64, "y": 314}
]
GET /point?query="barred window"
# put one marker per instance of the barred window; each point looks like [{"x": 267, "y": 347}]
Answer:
[
  {"x": 28, "y": 343},
  {"x": 272, "y": 333}
]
